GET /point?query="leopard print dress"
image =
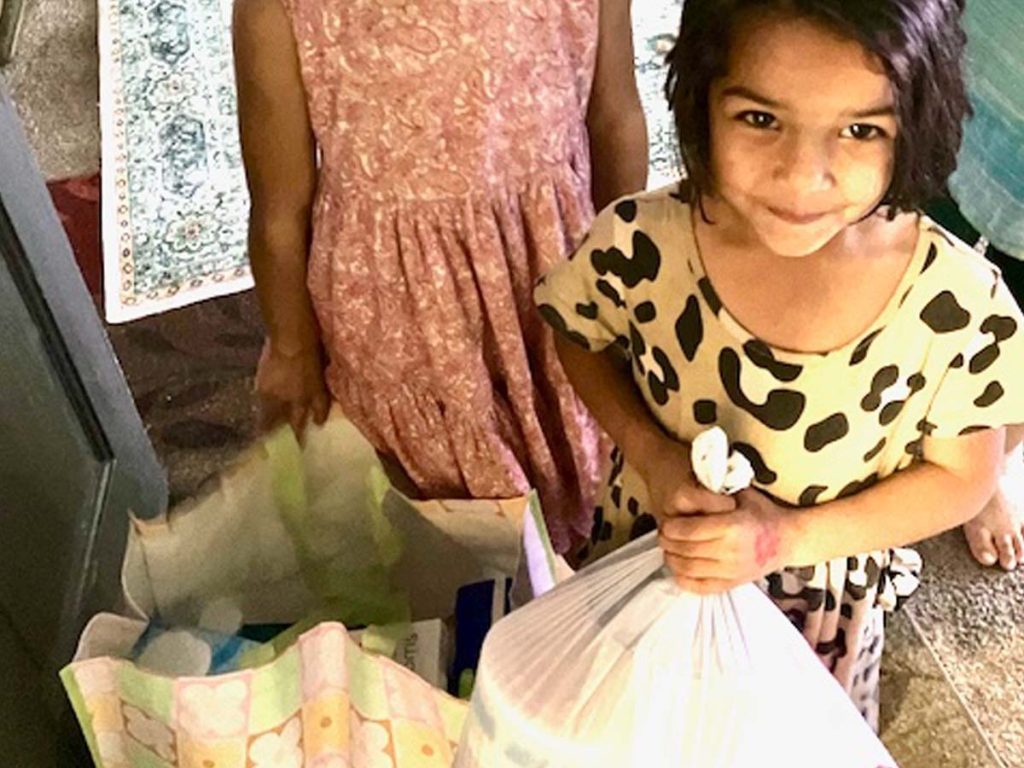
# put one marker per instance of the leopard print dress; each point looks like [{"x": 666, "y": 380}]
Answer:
[{"x": 939, "y": 360}]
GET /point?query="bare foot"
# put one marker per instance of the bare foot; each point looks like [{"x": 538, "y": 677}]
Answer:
[{"x": 997, "y": 533}]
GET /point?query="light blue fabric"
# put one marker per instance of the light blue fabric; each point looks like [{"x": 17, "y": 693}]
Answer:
[{"x": 988, "y": 184}]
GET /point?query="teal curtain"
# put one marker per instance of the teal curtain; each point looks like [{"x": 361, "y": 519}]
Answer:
[{"x": 988, "y": 184}]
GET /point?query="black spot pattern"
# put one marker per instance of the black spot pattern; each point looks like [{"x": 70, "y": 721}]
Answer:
[
  {"x": 942, "y": 233},
  {"x": 992, "y": 393},
  {"x": 861, "y": 350},
  {"x": 645, "y": 312},
  {"x": 957, "y": 362},
  {"x": 858, "y": 485},
  {"x": 809, "y": 496},
  {"x": 618, "y": 460},
  {"x": 588, "y": 311},
  {"x": 705, "y": 412},
  {"x": 643, "y": 265},
  {"x": 556, "y": 321},
  {"x": 714, "y": 303},
  {"x": 984, "y": 358},
  {"x": 780, "y": 411},
  {"x": 602, "y": 529},
  {"x": 662, "y": 383},
  {"x": 639, "y": 347},
  {"x": 826, "y": 431},
  {"x": 925, "y": 427},
  {"x": 972, "y": 429},
  {"x": 761, "y": 355},
  {"x": 690, "y": 329},
  {"x": 944, "y": 315},
  {"x": 642, "y": 526},
  {"x": 1001, "y": 328},
  {"x": 626, "y": 210},
  {"x": 890, "y": 412},
  {"x": 915, "y": 447},
  {"x": 633, "y": 506},
  {"x": 881, "y": 381},
  {"x": 834, "y": 648},
  {"x": 915, "y": 383},
  {"x": 930, "y": 258},
  {"x": 875, "y": 451},
  {"x": 609, "y": 291},
  {"x": 762, "y": 472}
]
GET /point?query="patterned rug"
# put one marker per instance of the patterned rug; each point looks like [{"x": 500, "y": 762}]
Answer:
[{"x": 175, "y": 206}]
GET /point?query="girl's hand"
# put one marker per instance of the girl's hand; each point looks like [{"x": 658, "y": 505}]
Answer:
[
  {"x": 291, "y": 388},
  {"x": 672, "y": 487},
  {"x": 713, "y": 553}
]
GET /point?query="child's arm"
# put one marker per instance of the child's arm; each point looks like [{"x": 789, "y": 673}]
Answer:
[
  {"x": 604, "y": 384},
  {"x": 278, "y": 148},
  {"x": 955, "y": 480},
  {"x": 615, "y": 116},
  {"x": 714, "y": 553}
]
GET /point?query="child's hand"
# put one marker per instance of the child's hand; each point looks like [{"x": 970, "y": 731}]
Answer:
[
  {"x": 715, "y": 552},
  {"x": 291, "y": 388},
  {"x": 671, "y": 486}
]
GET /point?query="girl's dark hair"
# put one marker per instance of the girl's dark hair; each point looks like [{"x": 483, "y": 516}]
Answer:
[{"x": 919, "y": 42}]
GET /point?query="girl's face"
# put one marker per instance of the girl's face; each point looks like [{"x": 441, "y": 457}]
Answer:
[{"x": 803, "y": 131}]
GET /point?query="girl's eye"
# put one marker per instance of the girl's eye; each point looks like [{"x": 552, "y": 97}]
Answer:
[
  {"x": 863, "y": 132},
  {"x": 755, "y": 119}
]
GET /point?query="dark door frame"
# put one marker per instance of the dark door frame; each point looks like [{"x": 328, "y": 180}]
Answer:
[{"x": 35, "y": 251}]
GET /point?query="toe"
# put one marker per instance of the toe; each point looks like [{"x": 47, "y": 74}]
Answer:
[
  {"x": 1007, "y": 552},
  {"x": 979, "y": 541}
]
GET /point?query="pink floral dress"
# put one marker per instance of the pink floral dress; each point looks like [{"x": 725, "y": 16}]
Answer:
[{"x": 454, "y": 173}]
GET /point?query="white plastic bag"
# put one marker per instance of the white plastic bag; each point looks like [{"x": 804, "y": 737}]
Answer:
[{"x": 618, "y": 667}]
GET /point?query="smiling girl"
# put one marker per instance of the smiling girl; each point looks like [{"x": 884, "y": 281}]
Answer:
[{"x": 792, "y": 293}]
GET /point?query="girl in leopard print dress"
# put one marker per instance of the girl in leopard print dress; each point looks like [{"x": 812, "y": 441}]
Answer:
[{"x": 792, "y": 293}]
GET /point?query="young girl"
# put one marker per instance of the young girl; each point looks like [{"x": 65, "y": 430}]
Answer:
[
  {"x": 862, "y": 360},
  {"x": 414, "y": 167}
]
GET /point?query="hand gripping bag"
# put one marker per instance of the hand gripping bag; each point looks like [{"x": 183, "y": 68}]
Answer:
[{"x": 619, "y": 667}]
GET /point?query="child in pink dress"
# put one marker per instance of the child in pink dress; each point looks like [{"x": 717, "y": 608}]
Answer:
[{"x": 415, "y": 166}]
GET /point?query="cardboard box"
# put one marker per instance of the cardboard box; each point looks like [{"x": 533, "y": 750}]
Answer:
[{"x": 425, "y": 649}]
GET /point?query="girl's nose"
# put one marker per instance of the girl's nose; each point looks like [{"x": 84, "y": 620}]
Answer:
[{"x": 805, "y": 163}]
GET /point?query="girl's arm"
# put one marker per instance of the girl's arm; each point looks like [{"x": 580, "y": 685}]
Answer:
[
  {"x": 603, "y": 382},
  {"x": 615, "y": 117},
  {"x": 278, "y": 149},
  {"x": 713, "y": 553},
  {"x": 951, "y": 486}
]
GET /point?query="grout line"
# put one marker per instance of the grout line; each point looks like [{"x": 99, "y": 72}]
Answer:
[{"x": 982, "y": 733}]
